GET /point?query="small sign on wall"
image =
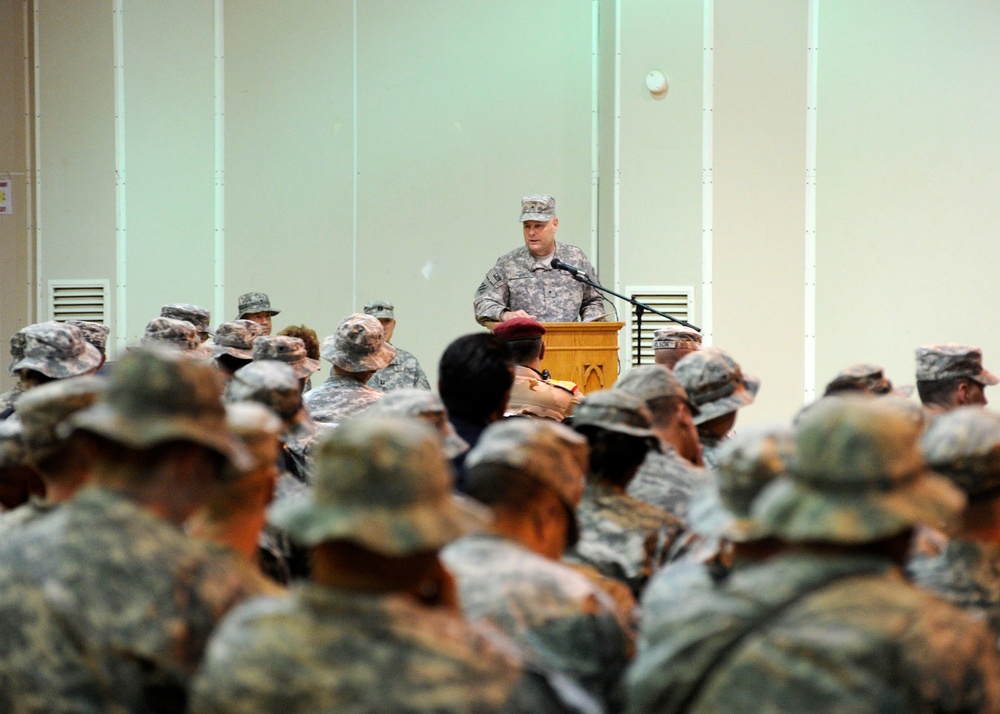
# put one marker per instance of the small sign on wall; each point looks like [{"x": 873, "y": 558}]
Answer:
[{"x": 5, "y": 198}]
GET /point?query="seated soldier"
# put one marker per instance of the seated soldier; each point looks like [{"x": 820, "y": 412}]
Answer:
[
  {"x": 232, "y": 346},
  {"x": 197, "y": 316},
  {"x": 256, "y": 307},
  {"x": 404, "y": 372}
]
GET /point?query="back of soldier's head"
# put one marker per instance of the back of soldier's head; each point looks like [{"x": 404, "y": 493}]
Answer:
[
  {"x": 43, "y": 412},
  {"x": 475, "y": 377}
]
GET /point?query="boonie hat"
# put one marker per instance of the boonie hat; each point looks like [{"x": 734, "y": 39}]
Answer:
[
  {"x": 715, "y": 382},
  {"x": 197, "y": 316},
  {"x": 175, "y": 334},
  {"x": 964, "y": 445},
  {"x": 290, "y": 350},
  {"x": 358, "y": 345},
  {"x": 57, "y": 350},
  {"x": 271, "y": 383},
  {"x": 538, "y": 207},
  {"x": 383, "y": 483},
  {"x": 250, "y": 303},
  {"x": 236, "y": 338},
  {"x": 93, "y": 332},
  {"x": 43, "y": 409},
  {"x": 615, "y": 410},
  {"x": 17, "y": 341},
  {"x": 949, "y": 361}
]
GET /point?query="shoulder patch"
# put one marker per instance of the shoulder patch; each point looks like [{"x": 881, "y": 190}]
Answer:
[{"x": 494, "y": 277}]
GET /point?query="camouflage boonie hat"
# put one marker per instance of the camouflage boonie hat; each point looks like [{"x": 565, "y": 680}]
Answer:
[
  {"x": 358, "y": 345},
  {"x": 552, "y": 454},
  {"x": 57, "y": 350},
  {"x": 654, "y": 381},
  {"x": 250, "y": 303},
  {"x": 964, "y": 445},
  {"x": 677, "y": 337},
  {"x": 383, "y": 483},
  {"x": 747, "y": 463},
  {"x": 938, "y": 362},
  {"x": 857, "y": 476},
  {"x": 11, "y": 443},
  {"x": 864, "y": 378},
  {"x": 715, "y": 382},
  {"x": 43, "y": 409},
  {"x": 615, "y": 410},
  {"x": 380, "y": 308},
  {"x": 17, "y": 341},
  {"x": 255, "y": 426},
  {"x": 421, "y": 403},
  {"x": 236, "y": 338},
  {"x": 175, "y": 334},
  {"x": 290, "y": 350},
  {"x": 156, "y": 395},
  {"x": 93, "y": 332},
  {"x": 538, "y": 207},
  {"x": 271, "y": 383},
  {"x": 197, "y": 316}
]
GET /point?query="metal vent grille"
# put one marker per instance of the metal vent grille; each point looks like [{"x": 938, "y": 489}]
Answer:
[
  {"x": 79, "y": 300},
  {"x": 676, "y": 301}
]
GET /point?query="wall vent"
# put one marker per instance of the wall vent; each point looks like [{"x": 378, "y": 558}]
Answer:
[
  {"x": 676, "y": 301},
  {"x": 79, "y": 300}
]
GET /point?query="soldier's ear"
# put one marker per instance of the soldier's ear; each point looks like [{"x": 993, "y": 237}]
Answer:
[
  {"x": 555, "y": 224},
  {"x": 541, "y": 353}
]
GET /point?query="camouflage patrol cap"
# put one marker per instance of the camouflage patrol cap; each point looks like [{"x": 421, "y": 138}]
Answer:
[
  {"x": 677, "y": 337},
  {"x": 43, "y": 410},
  {"x": 175, "y": 334},
  {"x": 857, "y": 475},
  {"x": 250, "y": 303},
  {"x": 380, "y": 308},
  {"x": 654, "y": 381},
  {"x": 552, "y": 454},
  {"x": 271, "y": 383},
  {"x": 538, "y": 207},
  {"x": 17, "y": 341},
  {"x": 948, "y": 361},
  {"x": 11, "y": 443},
  {"x": 290, "y": 350},
  {"x": 715, "y": 382},
  {"x": 57, "y": 350},
  {"x": 615, "y": 410},
  {"x": 93, "y": 332},
  {"x": 424, "y": 403},
  {"x": 197, "y": 316},
  {"x": 964, "y": 445},
  {"x": 747, "y": 463},
  {"x": 155, "y": 395},
  {"x": 236, "y": 338},
  {"x": 864, "y": 378},
  {"x": 358, "y": 345},
  {"x": 383, "y": 483}
]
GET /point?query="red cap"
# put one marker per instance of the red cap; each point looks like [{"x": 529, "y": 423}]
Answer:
[{"x": 520, "y": 328}]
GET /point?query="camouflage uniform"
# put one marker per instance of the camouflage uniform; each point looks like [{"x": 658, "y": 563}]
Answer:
[
  {"x": 838, "y": 632},
  {"x": 949, "y": 361},
  {"x": 963, "y": 445},
  {"x": 334, "y": 649},
  {"x": 519, "y": 281},
  {"x": 533, "y": 395},
  {"x": 710, "y": 448},
  {"x": 668, "y": 480},
  {"x": 403, "y": 372},
  {"x": 547, "y": 607},
  {"x": 339, "y": 397}
]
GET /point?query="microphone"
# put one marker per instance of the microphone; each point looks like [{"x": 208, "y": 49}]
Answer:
[{"x": 559, "y": 265}]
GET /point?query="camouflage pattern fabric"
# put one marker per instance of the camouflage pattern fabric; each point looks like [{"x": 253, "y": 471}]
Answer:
[
  {"x": 710, "y": 446},
  {"x": 358, "y": 345},
  {"x": 403, "y": 372},
  {"x": 859, "y": 639},
  {"x": 950, "y": 361},
  {"x": 519, "y": 282},
  {"x": 9, "y": 399},
  {"x": 15, "y": 519},
  {"x": 252, "y": 303},
  {"x": 195, "y": 314},
  {"x": 538, "y": 207},
  {"x": 325, "y": 650},
  {"x": 667, "y": 480},
  {"x": 677, "y": 337},
  {"x": 966, "y": 573},
  {"x": 106, "y": 608},
  {"x": 567, "y": 622},
  {"x": 93, "y": 332},
  {"x": 339, "y": 397},
  {"x": 621, "y": 536},
  {"x": 532, "y": 395},
  {"x": 57, "y": 350}
]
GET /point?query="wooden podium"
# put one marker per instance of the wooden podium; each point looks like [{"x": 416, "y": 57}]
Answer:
[{"x": 582, "y": 352}]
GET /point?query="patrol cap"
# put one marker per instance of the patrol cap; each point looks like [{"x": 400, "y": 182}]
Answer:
[
  {"x": 43, "y": 409},
  {"x": 383, "y": 483},
  {"x": 156, "y": 395},
  {"x": 654, "y": 381},
  {"x": 271, "y": 383},
  {"x": 250, "y": 303},
  {"x": 864, "y": 378},
  {"x": 747, "y": 463},
  {"x": 236, "y": 338},
  {"x": 538, "y": 207},
  {"x": 57, "y": 350},
  {"x": 290, "y": 350},
  {"x": 949, "y": 361},
  {"x": 93, "y": 332},
  {"x": 413, "y": 402},
  {"x": 964, "y": 445},
  {"x": 380, "y": 308},
  {"x": 715, "y": 383},
  {"x": 552, "y": 454},
  {"x": 519, "y": 328},
  {"x": 17, "y": 341},
  {"x": 615, "y": 410},
  {"x": 358, "y": 345},
  {"x": 175, "y": 334},
  {"x": 677, "y": 337},
  {"x": 197, "y": 316},
  {"x": 857, "y": 475}
]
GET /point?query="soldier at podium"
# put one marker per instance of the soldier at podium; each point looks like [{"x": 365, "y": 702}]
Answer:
[{"x": 523, "y": 282}]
